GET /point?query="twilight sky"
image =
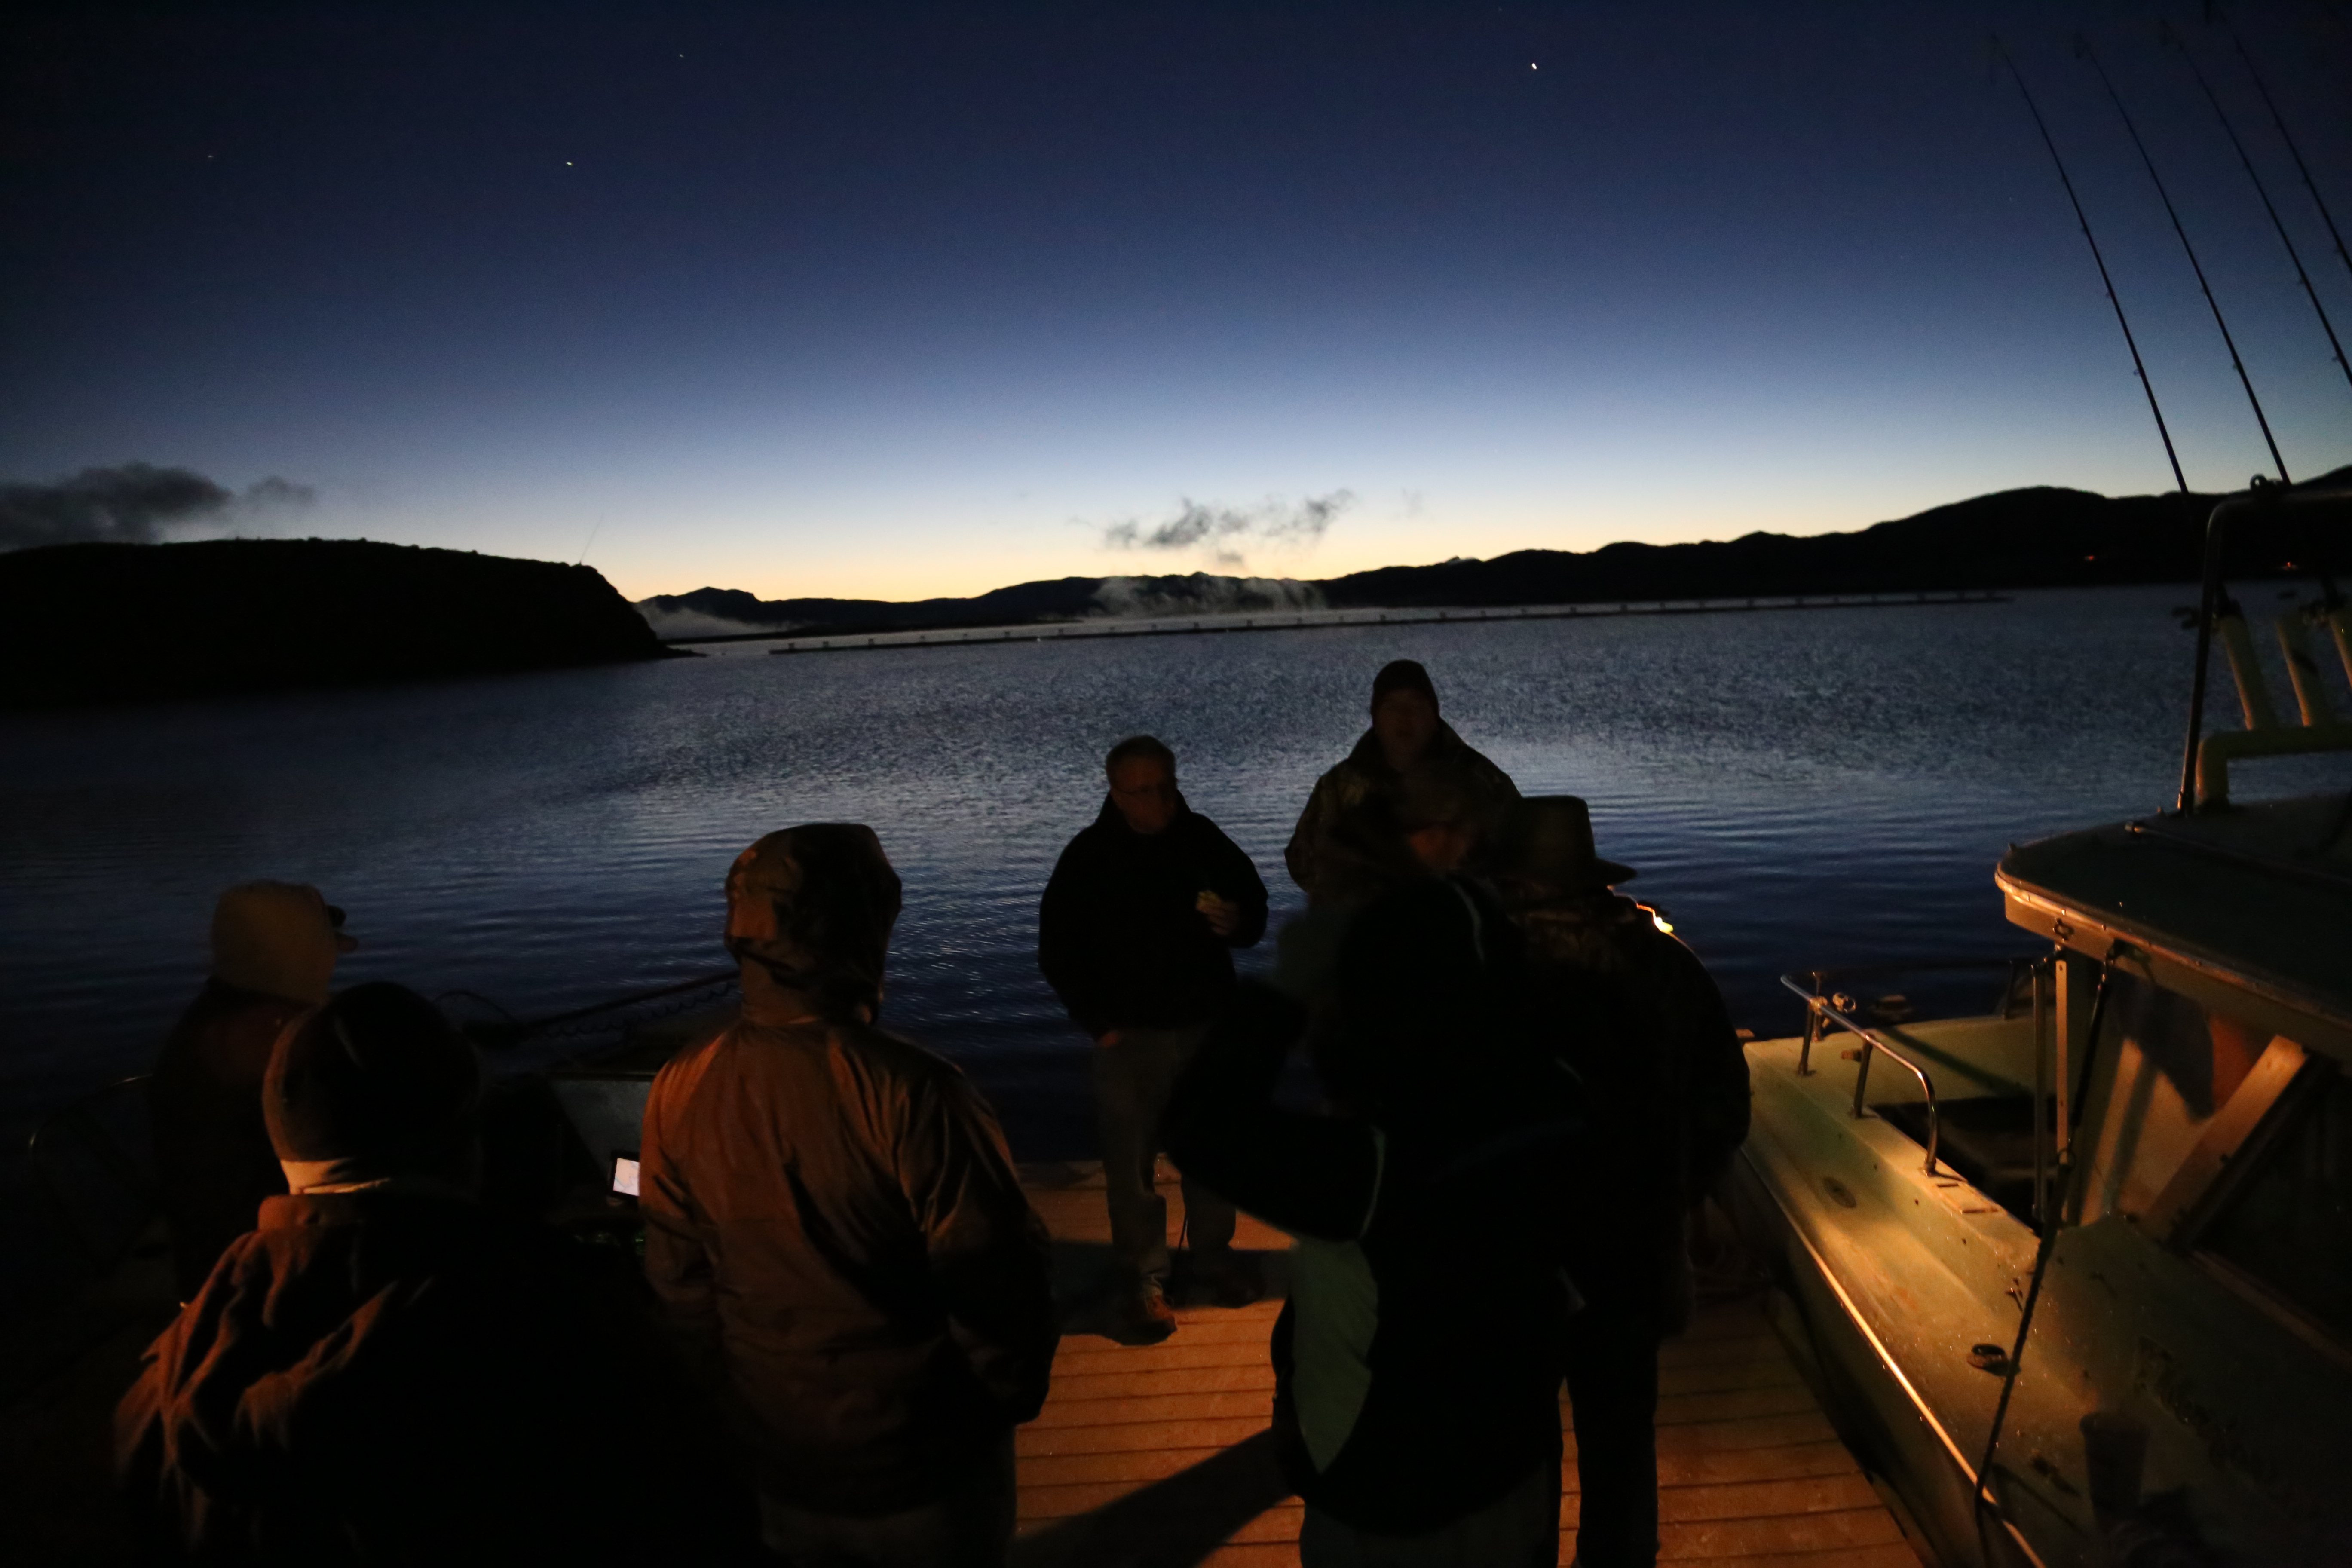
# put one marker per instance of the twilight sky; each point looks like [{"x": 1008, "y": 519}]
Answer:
[{"x": 892, "y": 301}]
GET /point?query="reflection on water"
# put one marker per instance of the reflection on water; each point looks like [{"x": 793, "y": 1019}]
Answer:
[{"x": 1796, "y": 788}]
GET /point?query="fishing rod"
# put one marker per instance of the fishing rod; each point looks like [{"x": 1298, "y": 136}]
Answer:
[
  {"x": 2139, "y": 366},
  {"x": 2083, "y": 48},
  {"x": 2302, "y": 277},
  {"x": 2214, "y": 12},
  {"x": 2205, "y": 603}
]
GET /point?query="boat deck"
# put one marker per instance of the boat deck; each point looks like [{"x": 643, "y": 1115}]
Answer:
[{"x": 1159, "y": 1455}]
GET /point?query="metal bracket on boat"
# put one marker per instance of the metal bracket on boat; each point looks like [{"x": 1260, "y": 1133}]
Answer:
[
  {"x": 1821, "y": 1010},
  {"x": 2206, "y": 759}
]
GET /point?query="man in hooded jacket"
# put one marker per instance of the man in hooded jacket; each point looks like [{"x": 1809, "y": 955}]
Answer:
[
  {"x": 1634, "y": 1013},
  {"x": 1136, "y": 933},
  {"x": 274, "y": 950},
  {"x": 831, "y": 1218},
  {"x": 386, "y": 1371},
  {"x": 1334, "y": 851}
]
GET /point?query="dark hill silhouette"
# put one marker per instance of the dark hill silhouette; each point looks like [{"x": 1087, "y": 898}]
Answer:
[
  {"x": 2043, "y": 537},
  {"x": 1062, "y": 598},
  {"x": 1059, "y": 599},
  {"x": 2038, "y": 538},
  {"x": 83, "y": 623}
]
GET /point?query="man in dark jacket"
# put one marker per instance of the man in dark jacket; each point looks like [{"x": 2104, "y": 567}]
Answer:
[
  {"x": 385, "y": 1371},
  {"x": 1335, "y": 851},
  {"x": 1418, "y": 1363},
  {"x": 1635, "y": 1013},
  {"x": 274, "y": 950},
  {"x": 1136, "y": 933},
  {"x": 832, "y": 1221}
]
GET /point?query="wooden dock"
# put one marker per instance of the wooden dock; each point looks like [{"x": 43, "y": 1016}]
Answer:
[{"x": 1159, "y": 1455}]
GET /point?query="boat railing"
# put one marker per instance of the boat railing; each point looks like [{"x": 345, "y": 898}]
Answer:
[
  {"x": 1817, "y": 990},
  {"x": 2206, "y": 758},
  {"x": 1824, "y": 1008}
]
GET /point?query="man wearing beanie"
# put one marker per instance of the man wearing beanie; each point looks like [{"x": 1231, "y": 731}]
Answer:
[
  {"x": 1339, "y": 851},
  {"x": 833, "y": 1219},
  {"x": 385, "y": 1372},
  {"x": 274, "y": 950}
]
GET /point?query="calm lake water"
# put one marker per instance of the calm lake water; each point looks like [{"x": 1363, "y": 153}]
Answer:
[{"x": 1796, "y": 789}]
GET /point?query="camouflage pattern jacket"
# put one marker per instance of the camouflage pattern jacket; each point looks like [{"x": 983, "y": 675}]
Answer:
[{"x": 1338, "y": 853}]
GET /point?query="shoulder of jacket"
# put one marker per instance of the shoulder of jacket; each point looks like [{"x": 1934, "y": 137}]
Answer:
[
  {"x": 692, "y": 1061},
  {"x": 893, "y": 1055},
  {"x": 1097, "y": 840},
  {"x": 1205, "y": 830},
  {"x": 1484, "y": 766},
  {"x": 1347, "y": 780}
]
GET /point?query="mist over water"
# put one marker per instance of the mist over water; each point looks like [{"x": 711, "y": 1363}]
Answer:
[{"x": 1795, "y": 788}]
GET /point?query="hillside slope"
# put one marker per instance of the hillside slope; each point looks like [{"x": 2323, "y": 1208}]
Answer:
[
  {"x": 84, "y": 623},
  {"x": 2043, "y": 537}
]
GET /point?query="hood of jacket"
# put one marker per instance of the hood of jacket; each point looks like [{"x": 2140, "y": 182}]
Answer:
[{"x": 813, "y": 907}]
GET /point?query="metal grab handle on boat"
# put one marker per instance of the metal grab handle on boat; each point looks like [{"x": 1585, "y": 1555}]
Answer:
[
  {"x": 2016, "y": 966},
  {"x": 1819, "y": 1007}
]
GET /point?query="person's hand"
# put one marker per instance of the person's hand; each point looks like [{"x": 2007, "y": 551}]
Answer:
[{"x": 1223, "y": 914}]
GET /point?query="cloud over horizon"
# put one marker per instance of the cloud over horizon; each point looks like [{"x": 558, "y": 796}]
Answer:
[
  {"x": 137, "y": 503},
  {"x": 1223, "y": 529}
]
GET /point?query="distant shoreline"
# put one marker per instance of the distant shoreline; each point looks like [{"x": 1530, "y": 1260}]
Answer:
[
  {"x": 1322, "y": 620},
  {"x": 2038, "y": 538}
]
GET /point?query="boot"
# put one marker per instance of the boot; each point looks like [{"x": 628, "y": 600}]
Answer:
[{"x": 1142, "y": 1314}]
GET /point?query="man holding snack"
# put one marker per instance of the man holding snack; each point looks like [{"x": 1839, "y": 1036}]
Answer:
[{"x": 1136, "y": 935}]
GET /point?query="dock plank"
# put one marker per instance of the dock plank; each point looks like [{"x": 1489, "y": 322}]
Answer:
[
  {"x": 1724, "y": 1376},
  {"x": 1032, "y": 1441},
  {"x": 1778, "y": 1498},
  {"x": 1255, "y": 1374},
  {"x": 1138, "y": 1442},
  {"x": 1872, "y": 1526}
]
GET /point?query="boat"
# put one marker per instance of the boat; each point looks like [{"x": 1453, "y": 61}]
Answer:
[{"x": 2075, "y": 1275}]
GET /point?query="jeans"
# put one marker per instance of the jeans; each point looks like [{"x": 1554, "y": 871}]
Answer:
[
  {"x": 1133, "y": 1081},
  {"x": 1613, "y": 1391}
]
